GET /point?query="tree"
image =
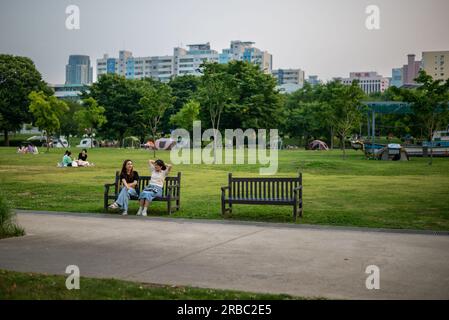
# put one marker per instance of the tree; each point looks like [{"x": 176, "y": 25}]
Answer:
[
  {"x": 256, "y": 101},
  {"x": 215, "y": 93},
  {"x": 90, "y": 118},
  {"x": 345, "y": 108},
  {"x": 429, "y": 102},
  {"x": 120, "y": 98},
  {"x": 47, "y": 111},
  {"x": 156, "y": 99},
  {"x": 69, "y": 127},
  {"x": 18, "y": 77},
  {"x": 186, "y": 115},
  {"x": 183, "y": 89}
]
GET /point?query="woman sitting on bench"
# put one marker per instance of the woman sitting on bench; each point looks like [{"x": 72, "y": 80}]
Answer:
[
  {"x": 130, "y": 179},
  {"x": 158, "y": 173}
]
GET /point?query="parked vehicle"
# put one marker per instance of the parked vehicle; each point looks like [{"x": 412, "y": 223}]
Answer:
[
  {"x": 55, "y": 142},
  {"x": 88, "y": 143}
]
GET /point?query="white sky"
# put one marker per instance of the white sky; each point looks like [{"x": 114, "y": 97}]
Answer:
[{"x": 323, "y": 37}]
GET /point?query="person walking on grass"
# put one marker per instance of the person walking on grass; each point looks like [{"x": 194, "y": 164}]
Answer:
[
  {"x": 159, "y": 171},
  {"x": 130, "y": 180}
]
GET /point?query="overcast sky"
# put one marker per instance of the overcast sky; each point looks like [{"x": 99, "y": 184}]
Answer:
[{"x": 323, "y": 37}]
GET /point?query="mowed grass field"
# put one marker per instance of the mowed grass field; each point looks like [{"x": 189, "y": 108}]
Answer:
[{"x": 344, "y": 192}]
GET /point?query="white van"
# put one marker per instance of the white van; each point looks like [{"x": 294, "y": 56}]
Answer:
[{"x": 88, "y": 143}]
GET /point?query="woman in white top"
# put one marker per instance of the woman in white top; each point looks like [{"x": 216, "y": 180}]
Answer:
[{"x": 159, "y": 170}]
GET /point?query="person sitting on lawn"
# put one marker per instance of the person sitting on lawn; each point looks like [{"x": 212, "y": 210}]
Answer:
[
  {"x": 22, "y": 149},
  {"x": 154, "y": 190},
  {"x": 82, "y": 159},
  {"x": 130, "y": 180},
  {"x": 66, "y": 159}
]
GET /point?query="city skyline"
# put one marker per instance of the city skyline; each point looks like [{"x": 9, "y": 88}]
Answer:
[{"x": 323, "y": 38}]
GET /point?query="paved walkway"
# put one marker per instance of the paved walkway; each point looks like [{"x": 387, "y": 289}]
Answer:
[{"x": 303, "y": 261}]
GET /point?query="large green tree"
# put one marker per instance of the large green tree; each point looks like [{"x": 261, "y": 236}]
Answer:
[
  {"x": 429, "y": 102},
  {"x": 185, "y": 117},
  {"x": 183, "y": 89},
  {"x": 69, "y": 127},
  {"x": 90, "y": 118},
  {"x": 215, "y": 93},
  {"x": 120, "y": 98},
  {"x": 18, "y": 77},
  {"x": 156, "y": 99},
  {"x": 47, "y": 112},
  {"x": 345, "y": 108},
  {"x": 257, "y": 103}
]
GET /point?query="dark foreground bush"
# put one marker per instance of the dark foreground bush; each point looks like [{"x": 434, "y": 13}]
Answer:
[{"x": 8, "y": 226}]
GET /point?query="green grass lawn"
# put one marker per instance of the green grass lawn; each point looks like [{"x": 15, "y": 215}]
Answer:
[
  {"x": 32, "y": 286},
  {"x": 351, "y": 192}
]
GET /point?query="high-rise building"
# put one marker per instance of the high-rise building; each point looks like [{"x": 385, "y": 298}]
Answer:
[
  {"x": 78, "y": 70},
  {"x": 189, "y": 61},
  {"x": 158, "y": 67},
  {"x": 436, "y": 64},
  {"x": 396, "y": 78},
  {"x": 313, "y": 80},
  {"x": 411, "y": 70},
  {"x": 182, "y": 62},
  {"x": 369, "y": 82},
  {"x": 284, "y": 76}
]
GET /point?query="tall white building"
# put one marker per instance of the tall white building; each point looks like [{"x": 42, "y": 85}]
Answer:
[
  {"x": 289, "y": 80},
  {"x": 182, "y": 62},
  {"x": 157, "y": 67},
  {"x": 189, "y": 61},
  {"x": 284, "y": 76},
  {"x": 369, "y": 82}
]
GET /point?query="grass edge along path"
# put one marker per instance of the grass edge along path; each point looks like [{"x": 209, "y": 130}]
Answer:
[{"x": 35, "y": 286}]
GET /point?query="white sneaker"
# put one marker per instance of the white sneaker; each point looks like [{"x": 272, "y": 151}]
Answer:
[
  {"x": 144, "y": 213},
  {"x": 113, "y": 206},
  {"x": 139, "y": 212},
  {"x": 124, "y": 213}
]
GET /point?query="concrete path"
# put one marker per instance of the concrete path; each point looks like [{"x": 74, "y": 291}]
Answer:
[{"x": 303, "y": 261}]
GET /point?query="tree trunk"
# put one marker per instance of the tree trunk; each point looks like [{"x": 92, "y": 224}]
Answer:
[
  {"x": 332, "y": 138},
  {"x": 48, "y": 142},
  {"x": 154, "y": 142},
  {"x": 342, "y": 142},
  {"x": 6, "y": 138}
]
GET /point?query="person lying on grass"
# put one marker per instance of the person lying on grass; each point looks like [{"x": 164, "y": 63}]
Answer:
[
  {"x": 129, "y": 179},
  {"x": 159, "y": 171}
]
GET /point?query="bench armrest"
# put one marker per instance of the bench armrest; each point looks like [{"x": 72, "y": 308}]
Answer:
[
  {"x": 223, "y": 191},
  {"x": 297, "y": 188},
  {"x": 107, "y": 186}
]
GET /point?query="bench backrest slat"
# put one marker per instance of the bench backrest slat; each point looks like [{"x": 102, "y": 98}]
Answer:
[{"x": 266, "y": 188}]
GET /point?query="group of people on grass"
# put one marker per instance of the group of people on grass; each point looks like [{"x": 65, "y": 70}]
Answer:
[
  {"x": 67, "y": 160},
  {"x": 130, "y": 180},
  {"x": 28, "y": 149}
]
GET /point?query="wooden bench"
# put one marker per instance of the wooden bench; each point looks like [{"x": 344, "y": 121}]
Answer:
[
  {"x": 266, "y": 190},
  {"x": 171, "y": 191}
]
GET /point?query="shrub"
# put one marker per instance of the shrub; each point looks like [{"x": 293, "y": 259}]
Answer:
[{"x": 8, "y": 227}]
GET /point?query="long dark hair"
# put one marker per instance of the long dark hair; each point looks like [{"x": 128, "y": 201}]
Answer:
[
  {"x": 124, "y": 168},
  {"x": 161, "y": 164}
]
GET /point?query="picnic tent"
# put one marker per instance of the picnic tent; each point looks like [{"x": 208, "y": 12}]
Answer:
[{"x": 318, "y": 145}]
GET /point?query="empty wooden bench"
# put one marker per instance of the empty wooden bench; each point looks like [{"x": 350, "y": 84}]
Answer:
[
  {"x": 171, "y": 191},
  {"x": 264, "y": 190}
]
